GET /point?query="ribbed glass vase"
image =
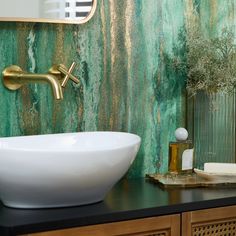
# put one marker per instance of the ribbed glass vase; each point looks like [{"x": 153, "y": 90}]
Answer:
[{"x": 214, "y": 118}]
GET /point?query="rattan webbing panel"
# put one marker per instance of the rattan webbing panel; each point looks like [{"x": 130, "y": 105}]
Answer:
[{"x": 219, "y": 228}]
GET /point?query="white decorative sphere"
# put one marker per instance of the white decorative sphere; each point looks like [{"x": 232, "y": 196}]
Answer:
[{"x": 181, "y": 134}]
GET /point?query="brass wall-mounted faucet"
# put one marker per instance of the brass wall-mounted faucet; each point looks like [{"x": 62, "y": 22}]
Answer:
[{"x": 14, "y": 77}]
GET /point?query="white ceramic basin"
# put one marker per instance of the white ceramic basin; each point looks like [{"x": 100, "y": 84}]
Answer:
[{"x": 60, "y": 170}]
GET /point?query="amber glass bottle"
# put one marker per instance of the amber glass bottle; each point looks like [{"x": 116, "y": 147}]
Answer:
[
  {"x": 180, "y": 157},
  {"x": 180, "y": 153}
]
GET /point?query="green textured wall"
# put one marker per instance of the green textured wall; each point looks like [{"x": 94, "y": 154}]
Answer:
[{"x": 125, "y": 86}]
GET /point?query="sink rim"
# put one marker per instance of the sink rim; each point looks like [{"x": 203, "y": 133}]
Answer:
[{"x": 137, "y": 139}]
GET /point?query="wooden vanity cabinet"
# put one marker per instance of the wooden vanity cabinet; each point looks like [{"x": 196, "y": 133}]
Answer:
[
  {"x": 153, "y": 226},
  {"x": 219, "y": 221}
]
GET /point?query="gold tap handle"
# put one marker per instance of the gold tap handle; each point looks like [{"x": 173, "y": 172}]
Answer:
[{"x": 68, "y": 74}]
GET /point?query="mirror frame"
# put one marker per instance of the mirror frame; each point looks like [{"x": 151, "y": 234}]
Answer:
[{"x": 48, "y": 20}]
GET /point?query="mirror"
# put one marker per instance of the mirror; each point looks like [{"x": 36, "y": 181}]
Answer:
[{"x": 51, "y": 11}]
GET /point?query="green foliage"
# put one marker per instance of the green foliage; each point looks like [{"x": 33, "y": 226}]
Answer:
[{"x": 208, "y": 64}]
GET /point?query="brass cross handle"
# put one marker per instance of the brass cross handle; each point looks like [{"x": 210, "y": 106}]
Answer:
[{"x": 68, "y": 74}]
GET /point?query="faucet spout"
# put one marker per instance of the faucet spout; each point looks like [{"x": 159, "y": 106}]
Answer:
[
  {"x": 51, "y": 79},
  {"x": 14, "y": 77}
]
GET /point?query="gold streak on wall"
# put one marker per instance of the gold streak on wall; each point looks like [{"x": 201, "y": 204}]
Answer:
[
  {"x": 23, "y": 30},
  {"x": 58, "y": 58},
  {"x": 213, "y": 16},
  {"x": 190, "y": 18},
  {"x": 114, "y": 53},
  {"x": 59, "y": 49},
  {"x": 113, "y": 31},
  {"x": 129, "y": 11},
  {"x": 103, "y": 114},
  {"x": 128, "y": 26},
  {"x": 103, "y": 19}
]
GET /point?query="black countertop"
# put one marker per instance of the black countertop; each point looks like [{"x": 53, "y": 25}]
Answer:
[{"x": 130, "y": 199}]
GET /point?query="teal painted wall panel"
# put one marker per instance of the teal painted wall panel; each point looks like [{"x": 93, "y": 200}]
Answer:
[{"x": 125, "y": 85}]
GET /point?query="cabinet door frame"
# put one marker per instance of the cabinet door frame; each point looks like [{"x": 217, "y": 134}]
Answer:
[
  {"x": 206, "y": 217},
  {"x": 169, "y": 224}
]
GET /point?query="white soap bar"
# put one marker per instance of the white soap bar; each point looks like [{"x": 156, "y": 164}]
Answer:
[{"x": 214, "y": 167}]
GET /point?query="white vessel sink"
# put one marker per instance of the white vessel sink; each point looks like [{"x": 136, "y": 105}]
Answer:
[{"x": 59, "y": 170}]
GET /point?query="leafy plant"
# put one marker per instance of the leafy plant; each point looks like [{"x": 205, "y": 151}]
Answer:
[{"x": 208, "y": 64}]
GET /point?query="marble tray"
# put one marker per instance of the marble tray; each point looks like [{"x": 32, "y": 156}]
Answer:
[{"x": 187, "y": 181}]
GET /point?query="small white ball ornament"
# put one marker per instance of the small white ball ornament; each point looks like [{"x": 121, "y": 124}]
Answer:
[{"x": 181, "y": 134}]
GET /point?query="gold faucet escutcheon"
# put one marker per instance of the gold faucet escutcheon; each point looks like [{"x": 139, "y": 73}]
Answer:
[{"x": 14, "y": 77}]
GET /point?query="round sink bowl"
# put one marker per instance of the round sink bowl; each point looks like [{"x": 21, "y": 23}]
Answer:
[{"x": 60, "y": 170}]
